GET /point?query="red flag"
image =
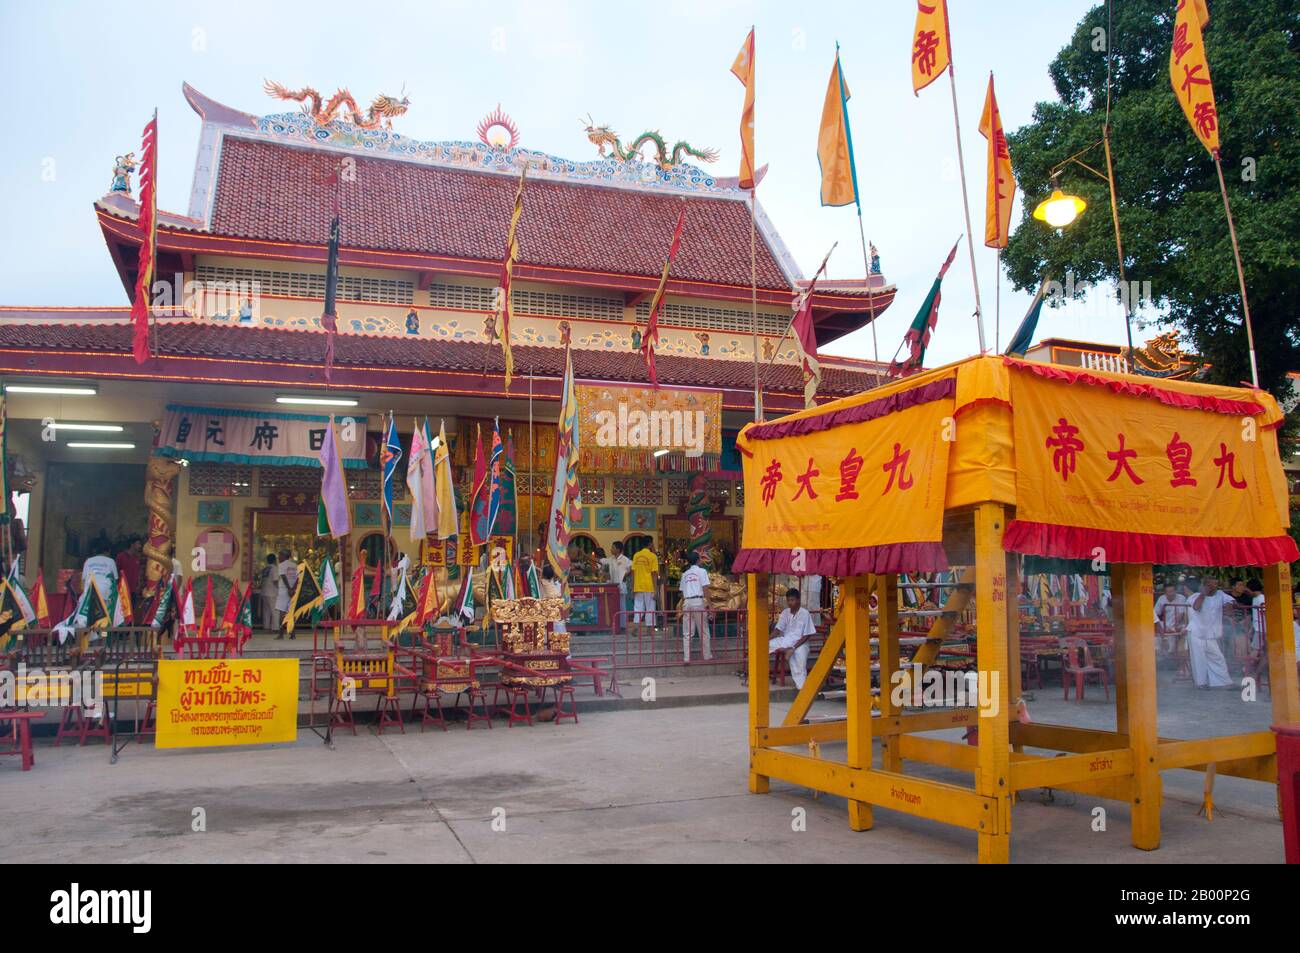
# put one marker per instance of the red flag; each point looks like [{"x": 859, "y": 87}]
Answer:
[
  {"x": 209, "y": 612},
  {"x": 230, "y": 617},
  {"x": 805, "y": 337},
  {"x": 147, "y": 225},
  {"x": 480, "y": 500},
  {"x": 40, "y": 601},
  {"x": 356, "y": 607},
  {"x": 652, "y": 322},
  {"x": 377, "y": 590}
]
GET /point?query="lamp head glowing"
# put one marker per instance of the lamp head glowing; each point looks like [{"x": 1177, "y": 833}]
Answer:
[{"x": 1059, "y": 209}]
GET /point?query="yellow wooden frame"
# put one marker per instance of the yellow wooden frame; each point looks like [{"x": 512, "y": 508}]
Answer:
[{"x": 1124, "y": 764}]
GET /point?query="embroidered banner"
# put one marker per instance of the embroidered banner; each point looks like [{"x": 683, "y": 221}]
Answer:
[
  {"x": 1106, "y": 474},
  {"x": 858, "y": 491},
  {"x": 620, "y": 426},
  {"x": 228, "y": 435}
]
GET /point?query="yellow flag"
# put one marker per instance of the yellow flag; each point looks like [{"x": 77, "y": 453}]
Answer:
[
  {"x": 835, "y": 143},
  {"x": 1189, "y": 72},
  {"x": 1002, "y": 184},
  {"x": 930, "y": 48},
  {"x": 444, "y": 483},
  {"x": 743, "y": 70}
]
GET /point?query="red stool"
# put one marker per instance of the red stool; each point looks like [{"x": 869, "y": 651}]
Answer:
[
  {"x": 563, "y": 692},
  {"x": 477, "y": 694},
  {"x": 515, "y": 694}
]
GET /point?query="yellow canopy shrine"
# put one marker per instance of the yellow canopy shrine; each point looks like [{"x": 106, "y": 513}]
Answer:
[{"x": 969, "y": 465}]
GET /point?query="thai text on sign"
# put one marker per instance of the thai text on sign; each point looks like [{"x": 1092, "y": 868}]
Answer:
[{"x": 210, "y": 702}]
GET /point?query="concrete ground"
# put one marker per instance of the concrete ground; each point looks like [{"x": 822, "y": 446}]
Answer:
[{"x": 661, "y": 782}]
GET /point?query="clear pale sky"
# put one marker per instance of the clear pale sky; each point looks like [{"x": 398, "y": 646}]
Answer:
[{"x": 84, "y": 78}]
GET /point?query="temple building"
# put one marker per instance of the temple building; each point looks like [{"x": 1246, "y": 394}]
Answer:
[{"x": 236, "y": 390}]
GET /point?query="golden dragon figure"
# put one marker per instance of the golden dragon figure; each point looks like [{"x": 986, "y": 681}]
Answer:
[
  {"x": 604, "y": 137},
  {"x": 341, "y": 106}
]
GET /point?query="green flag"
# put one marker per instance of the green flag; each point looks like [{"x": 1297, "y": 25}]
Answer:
[{"x": 1024, "y": 335}]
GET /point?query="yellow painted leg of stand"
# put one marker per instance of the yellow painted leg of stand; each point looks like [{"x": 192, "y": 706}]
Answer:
[
  {"x": 759, "y": 711},
  {"x": 1136, "y": 636},
  {"x": 992, "y": 778},
  {"x": 1119, "y": 647},
  {"x": 857, "y": 658},
  {"x": 886, "y": 588},
  {"x": 1279, "y": 631},
  {"x": 941, "y": 627},
  {"x": 1014, "y": 688}
]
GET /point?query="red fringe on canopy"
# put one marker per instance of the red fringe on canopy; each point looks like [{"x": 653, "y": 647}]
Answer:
[
  {"x": 1174, "y": 398},
  {"x": 892, "y": 404},
  {"x": 1076, "y": 542},
  {"x": 853, "y": 561}
]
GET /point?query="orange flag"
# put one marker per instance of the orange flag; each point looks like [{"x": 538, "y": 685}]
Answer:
[
  {"x": 743, "y": 70},
  {"x": 931, "y": 52},
  {"x": 835, "y": 142},
  {"x": 1189, "y": 72},
  {"x": 147, "y": 226},
  {"x": 1002, "y": 184}
]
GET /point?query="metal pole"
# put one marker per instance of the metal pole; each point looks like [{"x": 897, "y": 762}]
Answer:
[
  {"x": 961, "y": 166},
  {"x": 1119, "y": 244},
  {"x": 871, "y": 303},
  {"x": 1241, "y": 274}
]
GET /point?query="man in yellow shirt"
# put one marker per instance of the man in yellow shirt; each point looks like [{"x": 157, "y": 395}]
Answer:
[{"x": 645, "y": 583}]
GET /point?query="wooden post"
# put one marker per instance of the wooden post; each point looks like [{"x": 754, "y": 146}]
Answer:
[
  {"x": 887, "y": 624},
  {"x": 1119, "y": 648},
  {"x": 857, "y": 665},
  {"x": 993, "y": 766},
  {"x": 1014, "y": 689},
  {"x": 1137, "y": 633},
  {"x": 759, "y": 710},
  {"x": 1281, "y": 644}
]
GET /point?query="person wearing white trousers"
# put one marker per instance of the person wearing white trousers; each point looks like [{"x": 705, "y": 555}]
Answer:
[
  {"x": 795, "y": 628},
  {"x": 1204, "y": 632},
  {"x": 695, "y": 619}
]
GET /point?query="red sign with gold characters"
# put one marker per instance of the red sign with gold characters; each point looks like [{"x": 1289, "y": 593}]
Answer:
[
  {"x": 1101, "y": 473},
  {"x": 810, "y": 482}
]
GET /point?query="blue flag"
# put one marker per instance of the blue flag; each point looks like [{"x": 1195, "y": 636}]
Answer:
[{"x": 389, "y": 454}]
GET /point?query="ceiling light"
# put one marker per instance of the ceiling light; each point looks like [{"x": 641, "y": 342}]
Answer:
[
  {"x": 319, "y": 401},
  {"x": 67, "y": 389},
  {"x": 100, "y": 446},
  {"x": 95, "y": 428},
  {"x": 661, "y": 453}
]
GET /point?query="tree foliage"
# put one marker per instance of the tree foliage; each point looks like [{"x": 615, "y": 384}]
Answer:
[{"x": 1171, "y": 213}]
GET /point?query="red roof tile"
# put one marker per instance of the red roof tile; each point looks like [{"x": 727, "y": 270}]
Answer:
[
  {"x": 272, "y": 192},
  {"x": 235, "y": 343}
]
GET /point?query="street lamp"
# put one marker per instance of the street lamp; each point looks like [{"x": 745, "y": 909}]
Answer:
[{"x": 1059, "y": 209}]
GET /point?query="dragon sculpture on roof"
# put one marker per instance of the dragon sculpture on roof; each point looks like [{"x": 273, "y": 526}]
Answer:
[
  {"x": 1163, "y": 356},
  {"x": 341, "y": 106},
  {"x": 604, "y": 136}
]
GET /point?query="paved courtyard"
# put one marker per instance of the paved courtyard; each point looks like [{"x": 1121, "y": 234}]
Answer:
[{"x": 656, "y": 784}]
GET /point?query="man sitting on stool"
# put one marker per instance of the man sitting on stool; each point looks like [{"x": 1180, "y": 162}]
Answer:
[{"x": 795, "y": 628}]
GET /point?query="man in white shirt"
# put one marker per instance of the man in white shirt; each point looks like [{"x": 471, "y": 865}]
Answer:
[
  {"x": 794, "y": 627},
  {"x": 1204, "y": 630},
  {"x": 103, "y": 570},
  {"x": 695, "y": 618},
  {"x": 1171, "y": 618},
  {"x": 286, "y": 583},
  {"x": 617, "y": 567}
]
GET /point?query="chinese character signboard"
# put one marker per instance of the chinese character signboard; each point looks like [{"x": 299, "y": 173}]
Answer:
[
  {"x": 208, "y": 702},
  {"x": 1136, "y": 477},
  {"x": 227, "y": 435},
  {"x": 861, "y": 490}
]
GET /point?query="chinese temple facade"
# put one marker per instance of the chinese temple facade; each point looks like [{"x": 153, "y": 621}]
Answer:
[{"x": 232, "y": 390}]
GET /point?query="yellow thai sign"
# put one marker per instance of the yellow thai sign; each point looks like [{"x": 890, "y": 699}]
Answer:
[
  {"x": 840, "y": 498},
  {"x": 1138, "y": 477},
  {"x": 208, "y": 702}
]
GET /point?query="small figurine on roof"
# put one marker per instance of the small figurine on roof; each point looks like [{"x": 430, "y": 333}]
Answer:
[
  {"x": 412, "y": 322},
  {"x": 875, "y": 260},
  {"x": 123, "y": 166},
  {"x": 636, "y": 339}
]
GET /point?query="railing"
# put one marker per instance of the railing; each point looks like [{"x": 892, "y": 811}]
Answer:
[{"x": 639, "y": 644}]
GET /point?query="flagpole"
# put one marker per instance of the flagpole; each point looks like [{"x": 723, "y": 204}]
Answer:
[
  {"x": 753, "y": 292},
  {"x": 1241, "y": 274},
  {"x": 866, "y": 265},
  {"x": 790, "y": 325},
  {"x": 965, "y": 200},
  {"x": 532, "y": 449},
  {"x": 997, "y": 302}
]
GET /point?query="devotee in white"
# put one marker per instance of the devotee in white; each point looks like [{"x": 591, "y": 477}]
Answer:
[
  {"x": 810, "y": 596},
  {"x": 1204, "y": 631},
  {"x": 694, "y": 617},
  {"x": 286, "y": 582},
  {"x": 1171, "y": 618},
  {"x": 794, "y": 627}
]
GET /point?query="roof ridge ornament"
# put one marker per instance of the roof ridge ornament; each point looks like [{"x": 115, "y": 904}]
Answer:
[
  {"x": 380, "y": 114},
  {"x": 506, "y": 137},
  {"x": 603, "y": 136}
]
